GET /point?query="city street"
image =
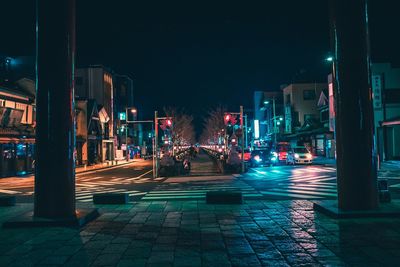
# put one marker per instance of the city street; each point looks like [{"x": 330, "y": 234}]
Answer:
[
  {"x": 135, "y": 178},
  {"x": 282, "y": 182}
]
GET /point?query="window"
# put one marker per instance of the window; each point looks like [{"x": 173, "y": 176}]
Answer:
[{"x": 308, "y": 94}]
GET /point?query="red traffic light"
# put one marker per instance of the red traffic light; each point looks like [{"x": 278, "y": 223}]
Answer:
[
  {"x": 227, "y": 118},
  {"x": 169, "y": 122}
]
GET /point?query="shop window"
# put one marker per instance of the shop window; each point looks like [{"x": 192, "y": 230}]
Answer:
[
  {"x": 8, "y": 151},
  {"x": 21, "y": 151}
]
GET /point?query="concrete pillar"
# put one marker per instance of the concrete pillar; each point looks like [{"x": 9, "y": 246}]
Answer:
[
  {"x": 55, "y": 131},
  {"x": 356, "y": 156}
]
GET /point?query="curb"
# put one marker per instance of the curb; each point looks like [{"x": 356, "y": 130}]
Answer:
[{"x": 106, "y": 167}]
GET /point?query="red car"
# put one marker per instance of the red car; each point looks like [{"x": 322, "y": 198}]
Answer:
[
  {"x": 247, "y": 154},
  {"x": 282, "y": 148}
]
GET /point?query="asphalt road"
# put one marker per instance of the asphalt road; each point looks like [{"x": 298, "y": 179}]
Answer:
[
  {"x": 135, "y": 178},
  {"x": 278, "y": 182}
]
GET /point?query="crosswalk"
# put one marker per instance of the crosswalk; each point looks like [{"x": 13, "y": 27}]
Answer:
[
  {"x": 294, "y": 183},
  {"x": 198, "y": 190},
  {"x": 86, "y": 186}
]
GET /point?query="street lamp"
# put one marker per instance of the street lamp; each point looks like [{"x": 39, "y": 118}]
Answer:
[
  {"x": 133, "y": 110},
  {"x": 266, "y": 102}
]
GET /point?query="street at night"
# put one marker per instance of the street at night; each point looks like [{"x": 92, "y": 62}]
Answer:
[
  {"x": 275, "y": 183},
  {"x": 211, "y": 133}
]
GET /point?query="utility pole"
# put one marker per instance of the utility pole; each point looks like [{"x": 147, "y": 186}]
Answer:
[
  {"x": 55, "y": 132},
  {"x": 154, "y": 153},
  {"x": 356, "y": 176},
  {"x": 245, "y": 123},
  {"x": 241, "y": 126},
  {"x": 156, "y": 142}
]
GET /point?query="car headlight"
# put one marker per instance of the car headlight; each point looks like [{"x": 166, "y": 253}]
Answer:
[
  {"x": 257, "y": 158},
  {"x": 296, "y": 156},
  {"x": 309, "y": 156}
]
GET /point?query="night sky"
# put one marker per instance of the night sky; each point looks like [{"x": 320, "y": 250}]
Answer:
[{"x": 198, "y": 54}]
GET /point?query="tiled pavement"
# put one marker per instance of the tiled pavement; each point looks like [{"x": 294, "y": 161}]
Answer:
[{"x": 192, "y": 233}]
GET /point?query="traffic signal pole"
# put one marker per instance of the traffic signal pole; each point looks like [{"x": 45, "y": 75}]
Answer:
[
  {"x": 242, "y": 137},
  {"x": 156, "y": 142}
]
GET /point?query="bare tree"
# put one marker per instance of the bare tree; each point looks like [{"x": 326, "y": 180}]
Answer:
[
  {"x": 213, "y": 125},
  {"x": 183, "y": 132}
]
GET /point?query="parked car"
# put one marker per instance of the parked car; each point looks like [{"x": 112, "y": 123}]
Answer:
[
  {"x": 261, "y": 157},
  {"x": 299, "y": 155}
]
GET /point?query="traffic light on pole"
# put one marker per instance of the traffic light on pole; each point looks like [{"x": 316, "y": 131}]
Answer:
[
  {"x": 227, "y": 118},
  {"x": 169, "y": 122}
]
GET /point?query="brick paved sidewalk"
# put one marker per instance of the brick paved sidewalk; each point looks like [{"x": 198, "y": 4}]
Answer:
[{"x": 192, "y": 233}]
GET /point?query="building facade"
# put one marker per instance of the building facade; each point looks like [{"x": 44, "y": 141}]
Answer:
[
  {"x": 268, "y": 115},
  {"x": 300, "y": 103},
  {"x": 17, "y": 132},
  {"x": 386, "y": 104},
  {"x": 96, "y": 82}
]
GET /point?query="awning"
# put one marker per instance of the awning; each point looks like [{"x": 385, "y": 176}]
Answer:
[
  {"x": 310, "y": 132},
  {"x": 6, "y": 140},
  {"x": 394, "y": 121}
]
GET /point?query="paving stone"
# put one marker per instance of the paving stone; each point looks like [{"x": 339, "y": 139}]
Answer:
[
  {"x": 54, "y": 260},
  {"x": 245, "y": 260},
  {"x": 187, "y": 262},
  {"x": 138, "y": 252},
  {"x": 161, "y": 257},
  {"x": 132, "y": 262},
  {"x": 107, "y": 259}
]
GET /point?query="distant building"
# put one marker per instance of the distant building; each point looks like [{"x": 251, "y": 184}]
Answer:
[
  {"x": 89, "y": 133},
  {"x": 300, "y": 103},
  {"x": 268, "y": 114},
  {"x": 96, "y": 82},
  {"x": 123, "y": 100}
]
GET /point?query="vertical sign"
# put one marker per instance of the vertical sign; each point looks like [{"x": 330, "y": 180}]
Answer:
[
  {"x": 377, "y": 91},
  {"x": 331, "y": 108},
  {"x": 288, "y": 119},
  {"x": 256, "y": 129}
]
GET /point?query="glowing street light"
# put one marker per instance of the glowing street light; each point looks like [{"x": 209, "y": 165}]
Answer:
[{"x": 329, "y": 59}]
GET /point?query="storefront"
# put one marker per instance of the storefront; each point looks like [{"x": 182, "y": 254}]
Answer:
[
  {"x": 388, "y": 142},
  {"x": 17, "y": 156},
  {"x": 319, "y": 141}
]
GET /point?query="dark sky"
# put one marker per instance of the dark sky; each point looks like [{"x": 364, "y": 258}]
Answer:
[{"x": 197, "y": 54}]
